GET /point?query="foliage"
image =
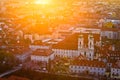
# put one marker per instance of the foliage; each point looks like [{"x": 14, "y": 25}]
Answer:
[
  {"x": 7, "y": 60},
  {"x": 32, "y": 75}
]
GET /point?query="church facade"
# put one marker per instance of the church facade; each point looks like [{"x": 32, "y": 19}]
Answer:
[{"x": 78, "y": 44}]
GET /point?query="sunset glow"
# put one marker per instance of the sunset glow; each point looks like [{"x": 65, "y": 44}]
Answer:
[
  {"x": 42, "y": 1},
  {"x": 59, "y": 39}
]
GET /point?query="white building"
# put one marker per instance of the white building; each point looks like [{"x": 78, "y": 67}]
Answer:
[
  {"x": 36, "y": 37},
  {"x": 42, "y": 55},
  {"x": 89, "y": 67},
  {"x": 76, "y": 44},
  {"x": 110, "y": 33},
  {"x": 115, "y": 71}
]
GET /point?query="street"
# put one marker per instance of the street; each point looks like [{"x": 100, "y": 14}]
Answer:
[{"x": 10, "y": 71}]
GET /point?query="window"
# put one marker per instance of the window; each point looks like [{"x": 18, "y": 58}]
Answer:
[
  {"x": 117, "y": 69},
  {"x": 80, "y": 43},
  {"x": 90, "y": 54},
  {"x": 90, "y": 45},
  {"x": 75, "y": 71},
  {"x": 109, "y": 35},
  {"x": 85, "y": 53},
  {"x": 83, "y": 67},
  {"x": 86, "y": 67},
  {"x": 102, "y": 69},
  {"x": 115, "y": 36},
  {"x": 75, "y": 66}
]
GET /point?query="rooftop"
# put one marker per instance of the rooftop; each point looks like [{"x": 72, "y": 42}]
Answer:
[
  {"x": 71, "y": 42},
  {"x": 42, "y": 52},
  {"x": 93, "y": 63}
]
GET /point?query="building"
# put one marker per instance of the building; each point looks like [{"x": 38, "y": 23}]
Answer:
[
  {"x": 114, "y": 55},
  {"x": 42, "y": 55},
  {"x": 43, "y": 58},
  {"x": 89, "y": 67},
  {"x": 76, "y": 44},
  {"x": 115, "y": 71},
  {"x": 110, "y": 33}
]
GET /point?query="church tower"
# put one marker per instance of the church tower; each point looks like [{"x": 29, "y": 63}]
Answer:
[
  {"x": 90, "y": 41},
  {"x": 80, "y": 42}
]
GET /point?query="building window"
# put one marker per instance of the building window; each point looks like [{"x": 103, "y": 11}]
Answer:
[
  {"x": 109, "y": 35},
  {"x": 90, "y": 54},
  {"x": 85, "y": 53},
  {"x": 80, "y": 43},
  {"x": 90, "y": 45},
  {"x": 83, "y": 67}
]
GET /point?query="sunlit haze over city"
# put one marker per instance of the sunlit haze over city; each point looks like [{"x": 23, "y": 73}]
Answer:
[{"x": 59, "y": 39}]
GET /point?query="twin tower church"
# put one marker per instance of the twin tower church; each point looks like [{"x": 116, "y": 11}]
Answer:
[{"x": 78, "y": 44}]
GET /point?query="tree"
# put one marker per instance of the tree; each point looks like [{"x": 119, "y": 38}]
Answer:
[
  {"x": 6, "y": 58},
  {"x": 7, "y": 61}
]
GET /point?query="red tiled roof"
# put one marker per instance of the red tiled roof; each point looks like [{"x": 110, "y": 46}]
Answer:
[
  {"x": 110, "y": 29},
  {"x": 71, "y": 42},
  {"x": 81, "y": 57},
  {"x": 88, "y": 63},
  {"x": 42, "y": 52},
  {"x": 115, "y": 66}
]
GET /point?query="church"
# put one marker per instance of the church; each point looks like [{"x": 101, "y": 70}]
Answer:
[{"x": 78, "y": 44}]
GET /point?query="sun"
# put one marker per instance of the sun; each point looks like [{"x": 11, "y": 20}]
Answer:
[{"x": 42, "y": 1}]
